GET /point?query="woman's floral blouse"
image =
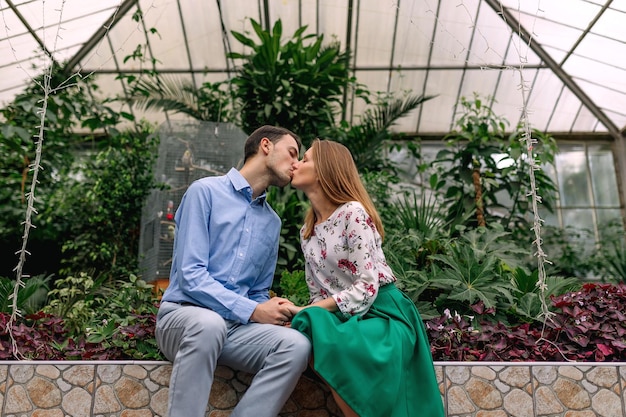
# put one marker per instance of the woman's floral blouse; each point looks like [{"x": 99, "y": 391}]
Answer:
[{"x": 344, "y": 260}]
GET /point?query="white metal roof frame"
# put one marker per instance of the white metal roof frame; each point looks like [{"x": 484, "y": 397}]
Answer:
[{"x": 562, "y": 60}]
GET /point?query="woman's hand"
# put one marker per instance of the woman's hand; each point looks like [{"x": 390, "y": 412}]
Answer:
[{"x": 293, "y": 309}]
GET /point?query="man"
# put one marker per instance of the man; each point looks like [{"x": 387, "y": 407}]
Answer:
[{"x": 217, "y": 309}]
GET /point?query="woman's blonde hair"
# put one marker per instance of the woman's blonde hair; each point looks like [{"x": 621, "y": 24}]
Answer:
[{"x": 339, "y": 180}]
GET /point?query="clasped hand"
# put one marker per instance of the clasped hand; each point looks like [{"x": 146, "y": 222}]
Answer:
[{"x": 276, "y": 310}]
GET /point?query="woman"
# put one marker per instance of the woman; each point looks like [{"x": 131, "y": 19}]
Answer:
[{"x": 369, "y": 342}]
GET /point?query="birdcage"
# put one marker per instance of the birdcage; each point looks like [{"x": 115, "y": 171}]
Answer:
[{"x": 188, "y": 150}]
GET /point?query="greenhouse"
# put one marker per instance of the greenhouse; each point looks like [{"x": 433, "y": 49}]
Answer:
[{"x": 490, "y": 135}]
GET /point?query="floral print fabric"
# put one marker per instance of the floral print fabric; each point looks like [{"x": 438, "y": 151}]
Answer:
[{"x": 345, "y": 260}]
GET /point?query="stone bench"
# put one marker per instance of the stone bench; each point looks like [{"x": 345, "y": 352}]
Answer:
[{"x": 468, "y": 389}]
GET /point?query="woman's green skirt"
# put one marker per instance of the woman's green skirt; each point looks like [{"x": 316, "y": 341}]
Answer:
[{"x": 379, "y": 364}]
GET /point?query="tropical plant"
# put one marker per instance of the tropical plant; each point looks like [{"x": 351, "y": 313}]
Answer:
[
  {"x": 209, "y": 102},
  {"x": 569, "y": 256},
  {"x": 298, "y": 84},
  {"x": 608, "y": 262},
  {"x": 106, "y": 206},
  {"x": 613, "y": 261},
  {"x": 370, "y": 138},
  {"x": 41, "y": 336},
  {"x": 68, "y": 105},
  {"x": 119, "y": 315},
  {"x": 421, "y": 213},
  {"x": 485, "y": 172},
  {"x": 30, "y": 298},
  {"x": 417, "y": 231},
  {"x": 476, "y": 267},
  {"x": 532, "y": 298},
  {"x": 127, "y": 321},
  {"x": 76, "y": 300},
  {"x": 587, "y": 325}
]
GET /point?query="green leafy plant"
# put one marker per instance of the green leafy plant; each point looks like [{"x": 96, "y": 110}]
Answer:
[
  {"x": 106, "y": 320},
  {"x": 614, "y": 265},
  {"x": 528, "y": 305},
  {"x": 69, "y": 105},
  {"x": 369, "y": 139},
  {"x": 290, "y": 205},
  {"x": 484, "y": 172},
  {"x": 43, "y": 336},
  {"x": 293, "y": 287},
  {"x": 568, "y": 253},
  {"x": 476, "y": 267},
  {"x": 417, "y": 231},
  {"x": 106, "y": 206},
  {"x": 76, "y": 299},
  {"x": 30, "y": 297},
  {"x": 298, "y": 84},
  {"x": 127, "y": 321},
  {"x": 608, "y": 262},
  {"x": 209, "y": 102}
]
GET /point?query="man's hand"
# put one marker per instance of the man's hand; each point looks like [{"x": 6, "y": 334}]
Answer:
[{"x": 274, "y": 311}]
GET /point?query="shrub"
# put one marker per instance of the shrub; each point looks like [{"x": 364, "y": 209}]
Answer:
[
  {"x": 587, "y": 325},
  {"x": 87, "y": 319},
  {"x": 43, "y": 336}
]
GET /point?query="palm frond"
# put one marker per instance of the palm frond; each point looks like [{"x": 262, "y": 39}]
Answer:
[
  {"x": 383, "y": 116},
  {"x": 422, "y": 213},
  {"x": 167, "y": 93}
]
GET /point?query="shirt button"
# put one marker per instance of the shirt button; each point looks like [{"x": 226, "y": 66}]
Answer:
[{"x": 241, "y": 254}]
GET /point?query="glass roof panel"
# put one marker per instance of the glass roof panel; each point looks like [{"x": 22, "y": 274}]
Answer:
[
  {"x": 611, "y": 25},
  {"x": 124, "y": 39},
  {"x": 491, "y": 40},
  {"x": 413, "y": 83},
  {"x": 508, "y": 97},
  {"x": 617, "y": 5},
  {"x": 553, "y": 34},
  {"x": 586, "y": 122},
  {"x": 332, "y": 21},
  {"x": 376, "y": 29},
  {"x": 598, "y": 73},
  {"x": 413, "y": 34},
  {"x": 618, "y": 117},
  {"x": 569, "y": 107},
  {"x": 165, "y": 19},
  {"x": 575, "y": 13},
  {"x": 546, "y": 90},
  {"x": 61, "y": 22},
  {"x": 446, "y": 48},
  {"x": 453, "y": 33},
  {"x": 483, "y": 81},
  {"x": 202, "y": 22},
  {"x": 443, "y": 84},
  {"x": 287, "y": 8},
  {"x": 520, "y": 54},
  {"x": 607, "y": 98}
]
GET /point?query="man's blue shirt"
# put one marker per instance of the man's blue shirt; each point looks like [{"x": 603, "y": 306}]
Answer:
[{"x": 225, "y": 248}]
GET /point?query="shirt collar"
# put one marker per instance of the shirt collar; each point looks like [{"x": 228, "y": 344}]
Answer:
[{"x": 241, "y": 184}]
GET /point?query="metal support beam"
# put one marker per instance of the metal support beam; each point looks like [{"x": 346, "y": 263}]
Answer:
[
  {"x": 516, "y": 27},
  {"x": 30, "y": 30}
]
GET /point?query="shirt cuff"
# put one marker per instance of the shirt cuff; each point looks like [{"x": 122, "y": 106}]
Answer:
[{"x": 243, "y": 309}]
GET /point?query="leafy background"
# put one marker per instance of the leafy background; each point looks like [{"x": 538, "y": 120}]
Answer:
[{"x": 459, "y": 244}]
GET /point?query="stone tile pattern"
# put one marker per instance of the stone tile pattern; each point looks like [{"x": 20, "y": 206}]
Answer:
[{"x": 137, "y": 389}]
